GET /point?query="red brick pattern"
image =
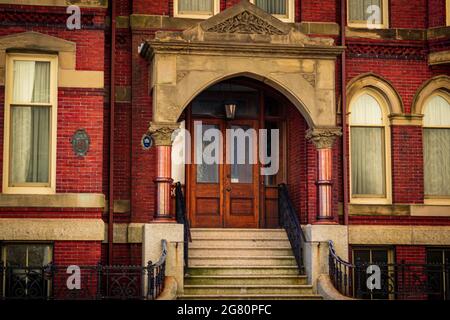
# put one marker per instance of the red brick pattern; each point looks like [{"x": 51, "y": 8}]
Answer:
[
  {"x": 408, "y": 14},
  {"x": 296, "y": 161},
  {"x": 76, "y": 252},
  {"x": 407, "y": 164},
  {"x": 412, "y": 255},
  {"x": 436, "y": 18},
  {"x": 319, "y": 11}
]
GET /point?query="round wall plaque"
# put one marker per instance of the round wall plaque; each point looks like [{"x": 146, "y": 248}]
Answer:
[
  {"x": 80, "y": 142},
  {"x": 147, "y": 141}
]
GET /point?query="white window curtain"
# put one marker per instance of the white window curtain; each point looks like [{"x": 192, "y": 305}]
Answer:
[
  {"x": 436, "y": 140},
  {"x": 30, "y": 125},
  {"x": 202, "y": 6},
  {"x": 278, "y": 7},
  {"x": 357, "y": 9},
  {"x": 367, "y": 147}
]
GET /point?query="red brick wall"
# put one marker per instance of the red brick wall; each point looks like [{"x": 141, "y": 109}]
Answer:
[
  {"x": 50, "y": 213},
  {"x": 410, "y": 255},
  {"x": 76, "y": 252},
  {"x": 156, "y": 7},
  {"x": 408, "y": 14},
  {"x": 405, "y": 75},
  {"x": 407, "y": 164},
  {"x": 436, "y": 13},
  {"x": 79, "y": 108},
  {"x": 296, "y": 161},
  {"x": 144, "y": 162},
  {"x": 319, "y": 11},
  {"x": 399, "y": 220},
  {"x": 124, "y": 254}
]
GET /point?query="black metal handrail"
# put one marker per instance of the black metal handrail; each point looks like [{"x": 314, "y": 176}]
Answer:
[
  {"x": 157, "y": 274},
  {"x": 400, "y": 281},
  {"x": 180, "y": 207},
  {"x": 84, "y": 282},
  {"x": 340, "y": 271},
  {"x": 290, "y": 222}
]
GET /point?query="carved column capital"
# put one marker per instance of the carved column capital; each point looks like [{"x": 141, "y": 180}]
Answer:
[
  {"x": 161, "y": 132},
  {"x": 323, "y": 138}
]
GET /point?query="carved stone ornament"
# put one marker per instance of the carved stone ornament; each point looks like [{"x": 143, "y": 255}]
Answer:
[
  {"x": 323, "y": 138},
  {"x": 162, "y": 133},
  {"x": 246, "y": 23},
  {"x": 80, "y": 142}
]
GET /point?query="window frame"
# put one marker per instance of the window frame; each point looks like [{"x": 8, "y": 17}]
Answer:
[
  {"x": 434, "y": 199},
  {"x": 30, "y": 188},
  {"x": 390, "y": 250},
  {"x": 447, "y": 10},
  {"x": 194, "y": 15},
  {"x": 289, "y": 17},
  {"x": 363, "y": 24},
  {"x": 4, "y": 257},
  {"x": 373, "y": 199}
]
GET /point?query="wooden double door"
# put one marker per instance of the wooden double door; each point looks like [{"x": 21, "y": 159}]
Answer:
[{"x": 224, "y": 174}]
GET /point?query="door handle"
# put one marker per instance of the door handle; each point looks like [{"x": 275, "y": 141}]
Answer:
[{"x": 228, "y": 189}]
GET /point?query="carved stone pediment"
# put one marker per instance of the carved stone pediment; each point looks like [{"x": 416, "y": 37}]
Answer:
[
  {"x": 247, "y": 23},
  {"x": 244, "y": 23},
  {"x": 245, "y": 18}
]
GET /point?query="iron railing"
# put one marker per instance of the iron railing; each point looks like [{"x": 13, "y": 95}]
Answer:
[
  {"x": 95, "y": 282},
  {"x": 157, "y": 274},
  {"x": 341, "y": 272},
  {"x": 290, "y": 222},
  {"x": 399, "y": 281},
  {"x": 180, "y": 208}
]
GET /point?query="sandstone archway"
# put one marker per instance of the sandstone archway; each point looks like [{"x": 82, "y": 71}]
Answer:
[{"x": 183, "y": 64}]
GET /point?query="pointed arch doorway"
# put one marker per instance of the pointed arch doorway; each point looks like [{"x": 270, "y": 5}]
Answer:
[{"x": 236, "y": 193}]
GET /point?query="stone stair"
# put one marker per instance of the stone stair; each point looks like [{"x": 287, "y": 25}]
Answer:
[{"x": 247, "y": 264}]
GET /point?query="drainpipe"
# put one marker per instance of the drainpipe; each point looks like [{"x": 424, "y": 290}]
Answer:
[
  {"x": 111, "y": 133},
  {"x": 344, "y": 112}
]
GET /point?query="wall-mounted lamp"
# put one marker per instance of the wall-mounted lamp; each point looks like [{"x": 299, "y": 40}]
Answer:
[{"x": 230, "y": 109}]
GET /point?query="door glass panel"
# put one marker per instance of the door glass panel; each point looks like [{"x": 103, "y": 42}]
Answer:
[
  {"x": 206, "y": 173},
  {"x": 241, "y": 152},
  {"x": 247, "y": 108},
  {"x": 270, "y": 180},
  {"x": 273, "y": 107},
  {"x": 208, "y": 107}
]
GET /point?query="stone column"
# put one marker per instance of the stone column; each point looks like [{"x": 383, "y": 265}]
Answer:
[
  {"x": 323, "y": 139},
  {"x": 162, "y": 137}
]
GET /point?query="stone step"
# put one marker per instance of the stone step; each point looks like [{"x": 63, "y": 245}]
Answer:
[
  {"x": 248, "y": 251},
  {"x": 242, "y": 261},
  {"x": 252, "y": 297},
  {"x": 246, "y": 289},
  {"x": 254, "y": 234},
  {"x": 239, "y": 243},
  {"x": 246, "y": 280},
  {"x": 243, "y": 270}
]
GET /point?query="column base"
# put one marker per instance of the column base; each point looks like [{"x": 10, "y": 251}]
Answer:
[
  {"x": 325, "y": 220},
  {"x": 164, "y": 219}
]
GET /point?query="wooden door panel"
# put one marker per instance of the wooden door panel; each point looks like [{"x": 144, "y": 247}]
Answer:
[
  {"x": 242, "y": 199},
  {"x": 208, "y": 207},
  {"x": 206, "y": 201},
  {"x": 271, "y": 207},
  {"x": 242, "y": 206}
]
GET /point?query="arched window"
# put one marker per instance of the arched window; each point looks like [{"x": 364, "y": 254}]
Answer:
[
  {"x": 436, "y": 146},
  {"x": 369, "y": 145}
]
